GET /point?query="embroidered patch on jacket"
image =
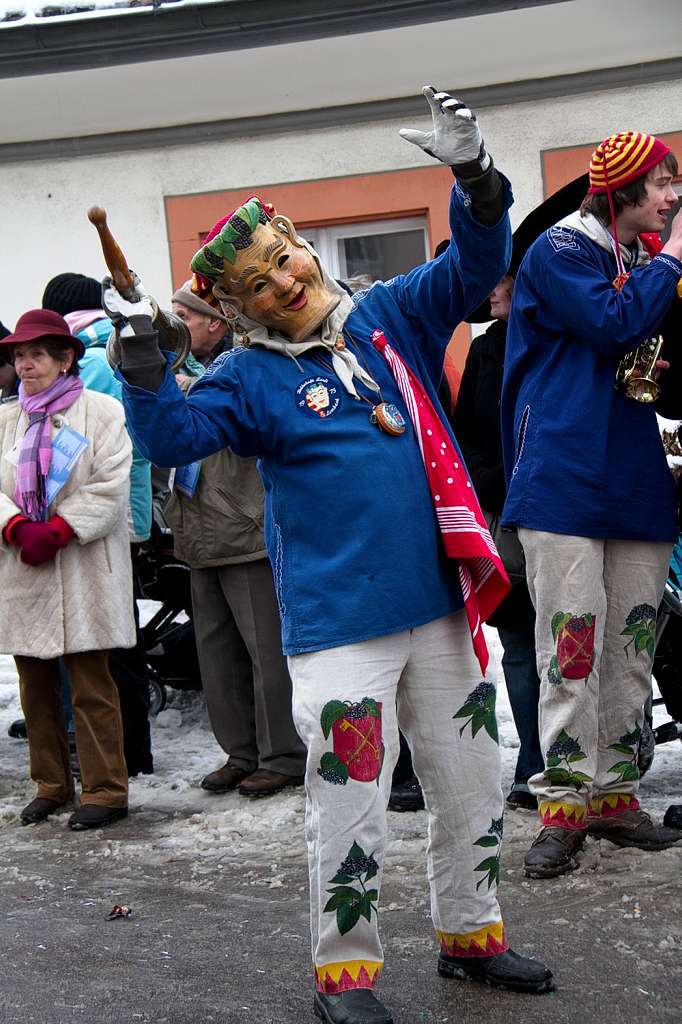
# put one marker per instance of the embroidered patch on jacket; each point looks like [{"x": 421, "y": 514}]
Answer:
[
  {"x": 640, "y": 626},
  {"x": 574, "y": 639},
  {"x": 562, "y": 238},
  {"x": 348, "y": 902},
  {"x": 318, "y": 396},
  {"x": 356, "y": 735}
]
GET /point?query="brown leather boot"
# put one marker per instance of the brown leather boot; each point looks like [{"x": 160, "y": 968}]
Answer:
[
  {"x": 224, "y": 779},
  {"x": 552, "y": 852},
  {"x": 633, "y": 828},
  {"x": 264, "y": 782}
]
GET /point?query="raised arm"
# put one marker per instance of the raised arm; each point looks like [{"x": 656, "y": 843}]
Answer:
[{"x": 448, "y": 288}]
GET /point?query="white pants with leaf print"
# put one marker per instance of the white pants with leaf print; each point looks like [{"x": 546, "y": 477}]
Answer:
[
  {"x": 348, "y": 704},
  {"x": 595, "y": 604}
]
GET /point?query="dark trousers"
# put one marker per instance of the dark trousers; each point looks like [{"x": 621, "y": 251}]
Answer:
[
  {"x": 128, "y": 668},
  {"x": 244, "y": 673},
  {"x": 523, "y": 687},
  {"x": 97, "y": 722}
]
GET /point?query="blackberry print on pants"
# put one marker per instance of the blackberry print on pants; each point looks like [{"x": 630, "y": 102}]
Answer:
[{"x": 348, "y": 702}]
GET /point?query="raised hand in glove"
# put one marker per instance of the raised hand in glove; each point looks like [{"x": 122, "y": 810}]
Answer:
[
  {"x": 40, "y": 542},
  {"x": 455, "y": 137},
  {"x": 130, "y": 317}
]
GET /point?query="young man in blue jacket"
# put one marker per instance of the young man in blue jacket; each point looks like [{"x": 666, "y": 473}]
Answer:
[
  {"x": 591, "y": 494},
  {"x": 365, "y": 492}
]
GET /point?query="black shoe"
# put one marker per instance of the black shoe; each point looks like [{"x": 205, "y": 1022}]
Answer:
[
  {"x": 521, "y": 798},
  {"x": 17, "y": 729},
  {"x": 506, "y": 970},
  {"x": 95, "y": 816},
  {"x": 38, "y": 810},
  {"x": 552, "y": 852},
  {"x": 357, "y": 1006},
  {"x": 673, "y": 816},
  {"x": 407, "y": 796}
]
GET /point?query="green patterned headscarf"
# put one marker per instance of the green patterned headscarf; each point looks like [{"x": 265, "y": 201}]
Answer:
[{"x": 225, "y": 238}]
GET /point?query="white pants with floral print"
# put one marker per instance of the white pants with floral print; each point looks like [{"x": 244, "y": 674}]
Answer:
[
  {"x": 595, "y": 603},
  {"x": 348, "y": 704}
]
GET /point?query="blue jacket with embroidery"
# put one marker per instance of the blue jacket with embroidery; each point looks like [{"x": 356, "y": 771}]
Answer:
[
  {"x": 349, "y": 520},
  {"x": 580, "y": 457}
]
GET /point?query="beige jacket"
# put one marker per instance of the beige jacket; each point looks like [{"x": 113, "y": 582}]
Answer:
[
  {"x": 82, "y": 600},
  {"x": 222, "y": 524}
]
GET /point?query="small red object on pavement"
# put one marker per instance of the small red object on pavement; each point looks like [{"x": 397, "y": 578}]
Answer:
[{"x": 120, "y": 910}]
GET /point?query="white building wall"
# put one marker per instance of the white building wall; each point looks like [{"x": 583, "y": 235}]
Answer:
[{"x": 43, "y": 204}]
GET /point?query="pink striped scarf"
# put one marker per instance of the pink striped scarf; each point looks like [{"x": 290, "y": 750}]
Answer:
[
  {"x": 462, "y": 527},
  {"x": 35, "y": 454}
]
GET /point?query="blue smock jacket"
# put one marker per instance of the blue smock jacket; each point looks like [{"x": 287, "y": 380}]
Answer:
[
  {"x": 349, "y": 521},
  {"x": 581, "y": 458}
]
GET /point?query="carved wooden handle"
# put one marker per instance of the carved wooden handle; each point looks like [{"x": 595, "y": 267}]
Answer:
[{"x": 113, "y": 254}]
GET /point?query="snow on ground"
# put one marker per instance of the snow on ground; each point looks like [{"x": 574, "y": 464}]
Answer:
[{"x": 187, "y": 823}]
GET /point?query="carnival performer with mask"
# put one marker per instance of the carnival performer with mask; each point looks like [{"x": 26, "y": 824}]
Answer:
[{"x": 382, "y": 561}]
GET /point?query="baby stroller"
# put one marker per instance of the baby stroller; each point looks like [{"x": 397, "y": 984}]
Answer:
[{"x": 168, "y": 637}]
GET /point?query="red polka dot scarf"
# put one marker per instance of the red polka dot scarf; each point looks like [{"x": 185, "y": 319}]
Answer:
[{"x": 462, "y": 527}]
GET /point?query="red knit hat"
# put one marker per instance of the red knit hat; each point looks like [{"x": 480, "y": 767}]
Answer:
[
  {"x": 622, "y": 159},
  {"x": 42, "y": 323}
]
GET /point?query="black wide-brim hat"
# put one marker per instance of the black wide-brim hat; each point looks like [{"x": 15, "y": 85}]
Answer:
[{"x": 554, "y": 208}]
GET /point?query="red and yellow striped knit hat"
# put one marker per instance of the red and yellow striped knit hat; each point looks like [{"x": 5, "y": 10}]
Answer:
[{"x": 622, "y": 158}]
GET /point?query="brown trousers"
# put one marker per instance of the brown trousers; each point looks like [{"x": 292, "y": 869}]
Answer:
[{"x": 97, "y": 723}]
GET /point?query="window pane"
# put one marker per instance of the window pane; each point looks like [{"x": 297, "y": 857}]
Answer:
[{"x": 383, "y": 256}]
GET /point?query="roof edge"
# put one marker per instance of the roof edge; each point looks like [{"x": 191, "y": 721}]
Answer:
[{"x": 200, "y": 132}]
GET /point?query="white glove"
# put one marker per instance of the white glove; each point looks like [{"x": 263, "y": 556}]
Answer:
[
  {"x": 121, "y": 310},
  {"x": 455, "y": 137}
]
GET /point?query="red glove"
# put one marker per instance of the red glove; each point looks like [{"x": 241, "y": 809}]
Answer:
[{"x": 40, "y": 542}]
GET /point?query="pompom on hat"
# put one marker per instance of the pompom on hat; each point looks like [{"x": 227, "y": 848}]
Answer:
[{"x": 622, "y": 159}]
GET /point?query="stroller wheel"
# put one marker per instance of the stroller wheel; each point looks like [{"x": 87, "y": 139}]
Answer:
[{"x": 157, "y": 694}]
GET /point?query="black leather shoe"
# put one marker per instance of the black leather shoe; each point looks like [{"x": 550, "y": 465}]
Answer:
[
  {"x": 506, "y": 970},
  {"x": 95, "y": 816},
  {"x": 521, "y": 799},
  {"x": 407, "y": 796},
  {"x": 17, "y": 729},
  {"x": 552, "y": 852},
  {"x": 673, "y": 816},
  {"x": 38, "y": 810},
  {"x": 357, "y": 1006}
]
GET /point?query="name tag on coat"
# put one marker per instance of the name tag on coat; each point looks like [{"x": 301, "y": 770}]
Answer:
[{"x": 67, "y": 447}]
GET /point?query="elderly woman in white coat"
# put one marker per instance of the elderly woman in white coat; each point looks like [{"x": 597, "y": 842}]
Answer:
[{"x": 65, "y": 567}]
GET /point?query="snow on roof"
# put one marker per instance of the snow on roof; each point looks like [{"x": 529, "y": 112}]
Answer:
[{"x": 34, "y": 12}]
